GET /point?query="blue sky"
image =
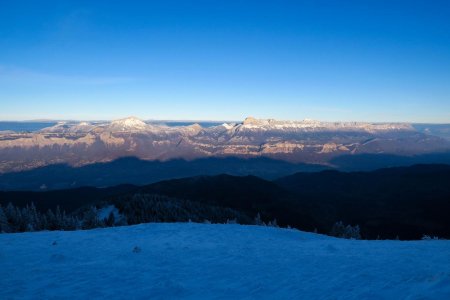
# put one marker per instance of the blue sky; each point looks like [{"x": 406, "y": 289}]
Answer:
[{"x": 225, "y": 60}]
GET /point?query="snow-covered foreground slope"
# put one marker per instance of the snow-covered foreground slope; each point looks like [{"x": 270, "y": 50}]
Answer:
[{"x": 198, "y": 261}]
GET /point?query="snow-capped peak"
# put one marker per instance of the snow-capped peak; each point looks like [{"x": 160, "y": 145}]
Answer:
[
  {"x": 307, "y": 120},
  {"x": 58, "y": 127},
  {"x": 250, "y": 120},
  {"x": 309, "y": 124},
  {"x": 129, "y": 123},
  {"x": 228, "y": 126}
]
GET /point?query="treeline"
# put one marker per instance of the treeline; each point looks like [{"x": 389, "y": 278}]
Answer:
[
  {"x": 137, "y": 209},
  {"x": 133, "y": 209},
  {"x": 144, "y": 208},
  {"x": 28, "y": 218}
]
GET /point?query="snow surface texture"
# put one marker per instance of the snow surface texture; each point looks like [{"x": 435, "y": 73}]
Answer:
[{"x": 200, "y": 261}]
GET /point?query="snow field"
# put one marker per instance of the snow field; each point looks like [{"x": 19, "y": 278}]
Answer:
[{"x": 210, "y": 261}]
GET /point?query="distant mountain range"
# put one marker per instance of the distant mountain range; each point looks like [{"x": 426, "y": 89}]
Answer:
[{"x": 304, "y": 142}]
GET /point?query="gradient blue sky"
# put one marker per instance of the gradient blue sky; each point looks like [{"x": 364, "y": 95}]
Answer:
[{"x": 224, "y": 60}]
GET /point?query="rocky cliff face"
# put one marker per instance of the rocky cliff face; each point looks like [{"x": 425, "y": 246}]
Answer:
[{"x": 305, "y": 141}]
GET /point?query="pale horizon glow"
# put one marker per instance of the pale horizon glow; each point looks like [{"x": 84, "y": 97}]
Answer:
[{"x": 53, "y": 120}]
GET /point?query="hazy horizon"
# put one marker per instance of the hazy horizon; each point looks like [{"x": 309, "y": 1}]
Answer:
[{"x": 47, "y": 120}]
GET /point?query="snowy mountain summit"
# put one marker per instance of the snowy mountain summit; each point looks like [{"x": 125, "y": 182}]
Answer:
[
  {"x": 130, "y": 123},
  {"x": 315, "y": 125}
]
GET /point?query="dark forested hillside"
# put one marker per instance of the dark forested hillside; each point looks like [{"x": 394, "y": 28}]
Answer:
[
  {"x": 245, "y": 192},
  {"x": 131, "y": 170},
  {"x": 250, "y": 194},
  {"x": 406, "y": 202},
  {"x": 69, "y": 200}
]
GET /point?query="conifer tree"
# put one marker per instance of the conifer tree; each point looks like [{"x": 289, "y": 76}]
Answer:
[
  {"x": 91, "y": 220},
  {"x": 4, "y": 226}
]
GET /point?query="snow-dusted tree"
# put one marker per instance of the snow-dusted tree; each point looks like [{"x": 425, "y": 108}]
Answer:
[
  {"x": 91, "y": 220},
  {"x": 33, "y": 218},
  {"x": 21, "y": 220},
  {"x": 44, "y": 222},
  {"x": 427, "y": 237},
  {"x": 111, "y": 220},
  {"x": 273, "y": 223},
  {"x": 352, "y": 232},
  {"x": 4, "y": 226},
  {"x": 347, "y": 232},
  {"x": 52, "y": 222},
  {"x": 59, "y": 219},
  {"x": 338, "y": 229},
  {"x": 258, "y": 220},
  {"x": 13, "y": 217},
  {"x": 70, "y": 222},
  {"x": 28, "y": 218}
]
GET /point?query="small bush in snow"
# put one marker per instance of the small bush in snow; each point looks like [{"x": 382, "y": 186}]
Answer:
[
  {"x": 273, "y": 223},
  {"x": 426, "y": 237},
  {"x": 258, "y": 220},
  {"x": 346, "y": 232}
]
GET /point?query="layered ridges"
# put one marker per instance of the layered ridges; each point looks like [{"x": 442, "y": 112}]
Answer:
[{"x": 295, "y": 141}]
